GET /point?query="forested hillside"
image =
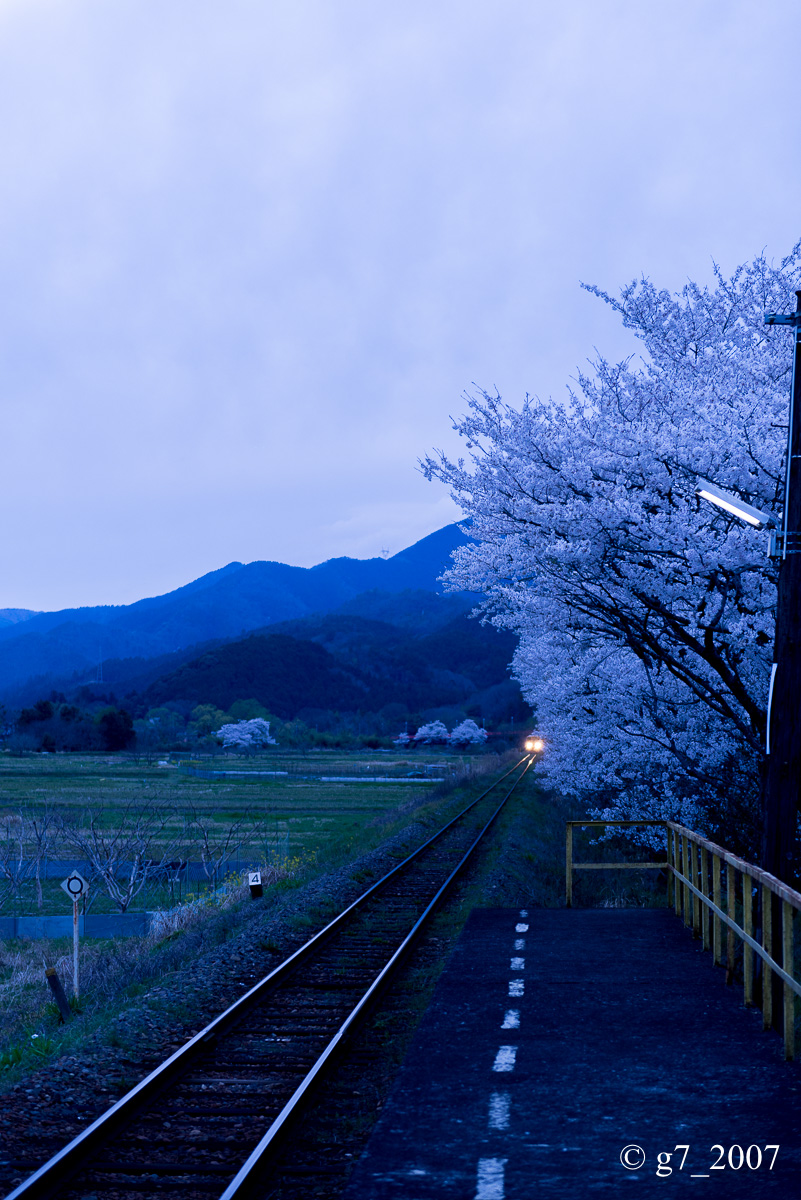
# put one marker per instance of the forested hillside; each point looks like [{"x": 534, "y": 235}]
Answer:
[
  {"x": 42, "y": 651},
  {"x": 344, "y": 663}
]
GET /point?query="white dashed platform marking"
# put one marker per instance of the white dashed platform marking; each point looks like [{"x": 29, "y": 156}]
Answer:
[
  {"x": 517, "y": 964},
  {"x": 505, "y": 1059},
  {"x": 521, "y": 928},
  {"x": 520, "y": 943},
  {"x": 490, "y": 1179},
  {"x": 511, "y": 1019},
  {"x": 499, "y": 1105},
  {"x": 516, "y": 987}
]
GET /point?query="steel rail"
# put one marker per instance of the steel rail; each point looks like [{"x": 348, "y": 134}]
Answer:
[
  {"x": 239, "y": 1186},
  {"x": 48, "y": 1179}
]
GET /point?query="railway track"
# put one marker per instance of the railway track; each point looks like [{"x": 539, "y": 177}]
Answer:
[{"x": 209, "y": 1121}]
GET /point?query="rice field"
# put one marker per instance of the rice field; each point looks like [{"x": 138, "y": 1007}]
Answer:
[{"x": 278, "y": 808}]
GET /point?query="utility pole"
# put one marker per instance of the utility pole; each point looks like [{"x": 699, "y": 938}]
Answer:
[{"x": 783, "y": 772}]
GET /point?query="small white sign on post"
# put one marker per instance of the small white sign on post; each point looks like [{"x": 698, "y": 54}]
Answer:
[
  {"x": 254, "y": 883},
  {"x": 76, "y": 888}
]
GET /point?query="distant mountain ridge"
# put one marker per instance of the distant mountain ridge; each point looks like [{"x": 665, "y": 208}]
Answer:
[
  {"x": 221, "y": 605},
  {"x": 13, "y": 616}
]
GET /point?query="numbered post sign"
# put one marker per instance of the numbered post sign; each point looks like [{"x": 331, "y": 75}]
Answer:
[
  {"x": 254, "y": 882},
  {"x": 75, "y": 886}
]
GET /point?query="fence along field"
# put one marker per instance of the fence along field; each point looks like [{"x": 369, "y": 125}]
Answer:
[{"x": 152, "y": 836}]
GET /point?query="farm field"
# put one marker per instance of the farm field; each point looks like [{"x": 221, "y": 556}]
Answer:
[{"x": 316, "y": 806}]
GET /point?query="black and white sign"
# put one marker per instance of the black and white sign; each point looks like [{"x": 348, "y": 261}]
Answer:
[
  {"x": 75, "y": 886},
  {"x": 254, "y": 878}
]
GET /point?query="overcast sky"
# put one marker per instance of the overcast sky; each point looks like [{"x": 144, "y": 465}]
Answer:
[{"x": 252, "y": 253}]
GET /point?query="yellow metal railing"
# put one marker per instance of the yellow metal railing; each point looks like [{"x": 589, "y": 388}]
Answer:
[
  {"x": 707, "y": 899},
  {"x": 571, "y": 866}
]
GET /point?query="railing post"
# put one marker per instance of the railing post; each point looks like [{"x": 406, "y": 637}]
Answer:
[
  {"x": 789, "y": 996},
  {"x": 569, "y": 865},
  {"x": 688, "y": 858},
  {"x": 705, "y": 890},
  {"x": 685, "y": 870},
  {"x": 748, "y": 953},
  {"x": 676, "y": 869},
  {"x": 716, "y": 900},
  {"x": 767, "y": 946},
  {"x": 731, "y": 912}
]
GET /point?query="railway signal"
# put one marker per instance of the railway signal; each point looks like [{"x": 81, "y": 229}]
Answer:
[{"x": 76, "y": 888}]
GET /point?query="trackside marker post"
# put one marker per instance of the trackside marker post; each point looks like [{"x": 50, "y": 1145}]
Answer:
[
  {"x": 76, "y": 888},
  {"x": 59, "y": 995},
  {"x": 255, "y": 884}
]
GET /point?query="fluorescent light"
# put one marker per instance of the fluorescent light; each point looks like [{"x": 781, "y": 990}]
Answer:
[
  {"x": 735, "y": 506},
  {"x": 729, "y": 507}
]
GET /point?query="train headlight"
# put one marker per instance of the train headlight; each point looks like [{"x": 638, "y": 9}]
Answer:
[{"x": 534, "y": 744}]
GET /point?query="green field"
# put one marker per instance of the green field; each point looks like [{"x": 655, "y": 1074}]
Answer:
[{"x": 243, "y": 821}]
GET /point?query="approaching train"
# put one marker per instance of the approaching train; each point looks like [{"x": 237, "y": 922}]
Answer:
[{"x": 534, "y": 744}]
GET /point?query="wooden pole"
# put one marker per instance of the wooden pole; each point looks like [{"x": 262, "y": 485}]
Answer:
[
  {"x": 715, "y": 917},
  {"x": 783, "y": 775},
  {"x": 789, "y": 997},
  {"x": 767, "y": 944},
  {"x": 685, "y": 870},
  {"x": 731, "y": 912},
  {"x": 569, "y": 866},
  {"x": 705, "y": 890},
  {"x": 677, "y": 866},
  {"x": 748, "y": 954},
  {"x": 59, "y": 995}
]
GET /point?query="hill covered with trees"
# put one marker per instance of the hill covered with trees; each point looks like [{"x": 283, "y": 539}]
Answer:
[{"x": 44, "y": 651}]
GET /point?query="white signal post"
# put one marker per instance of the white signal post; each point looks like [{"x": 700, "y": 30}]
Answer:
[{"x": 76, "y": 888}]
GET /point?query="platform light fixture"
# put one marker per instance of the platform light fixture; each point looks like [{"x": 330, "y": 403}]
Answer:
[{"x": 734, "y": 505}]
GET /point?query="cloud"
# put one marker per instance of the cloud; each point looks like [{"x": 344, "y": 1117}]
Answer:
[{"x": 251, "y": 254}]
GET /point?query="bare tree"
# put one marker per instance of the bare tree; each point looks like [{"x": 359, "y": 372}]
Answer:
[
  {"x": 40, "y": 828},
  {"x": 216, "y": 842},
  {"x": 127, "y": 854},
  {"x": 14, "y": 866}
]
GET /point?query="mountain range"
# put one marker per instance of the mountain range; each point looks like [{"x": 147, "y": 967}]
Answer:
[{"x": 346, "y": 634}]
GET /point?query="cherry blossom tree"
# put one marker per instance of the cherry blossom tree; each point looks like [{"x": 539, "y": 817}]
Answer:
[
  {"x": 467, "y": 734},
  {"x": 645, "y": 615},
  {"x": 434, "y": 733},
  {"x": 246, "y": 735}
]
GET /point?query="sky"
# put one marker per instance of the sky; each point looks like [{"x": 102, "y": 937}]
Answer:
[{"x": 253, "y": 254}]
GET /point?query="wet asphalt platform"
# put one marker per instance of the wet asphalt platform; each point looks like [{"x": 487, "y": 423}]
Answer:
[{"x": 560, "y": 1039}]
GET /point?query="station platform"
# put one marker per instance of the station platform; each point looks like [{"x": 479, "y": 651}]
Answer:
[{"x": 577, "y": 1052}]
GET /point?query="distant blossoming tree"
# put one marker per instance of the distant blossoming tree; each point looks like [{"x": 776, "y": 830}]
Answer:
[
  {"x": 432, "y": 733},
  {"x": 246, "y": 735},
  {"x": 402, "y": 739},
  {"x": 467, "y": 734},
  {"x": 645, "y": 615}
]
